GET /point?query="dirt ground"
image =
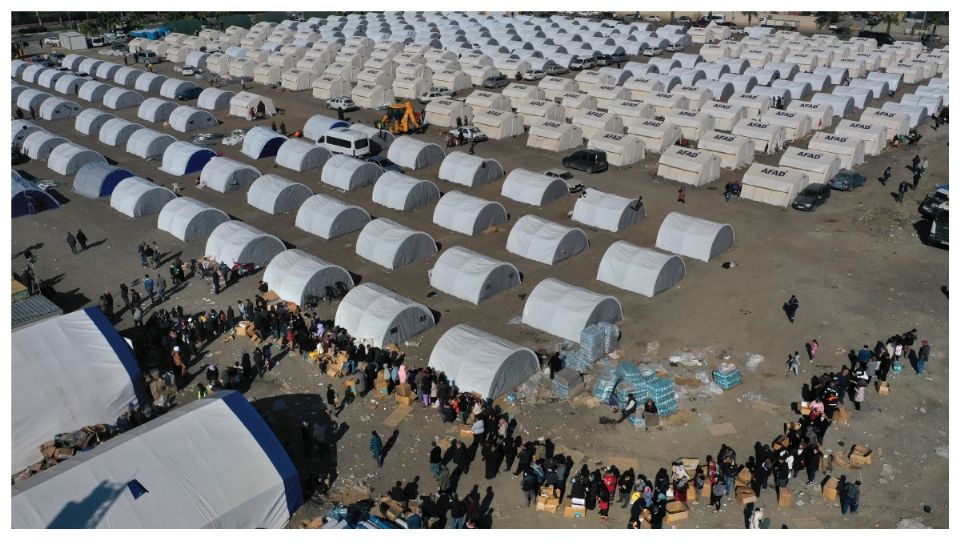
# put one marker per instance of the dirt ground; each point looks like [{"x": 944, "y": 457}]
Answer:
[{"x": 856, "y": 265}]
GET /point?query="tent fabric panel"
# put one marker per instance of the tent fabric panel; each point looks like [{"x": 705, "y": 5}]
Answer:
[{"x": 563, "y": 310}]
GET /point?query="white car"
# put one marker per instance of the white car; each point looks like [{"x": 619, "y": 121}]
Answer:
[
  {"x": 555, "y": 69},
  {"x": 573, "y": 185},
  {"x": 652, "y": 18},
  {"x": 434, "y": 93},
  {"x": 533, "y": 75},
  {"x": 51, "y": 42},
  {"x": 470, "y": 133},
  {"x": 341, "y": 103},
  {"x": 674, "y": 47},
  {"x": 188, "y": 71},
  {"x": 652, "y": 51}
]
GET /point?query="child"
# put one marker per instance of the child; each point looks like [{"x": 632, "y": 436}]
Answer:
[
  {"x": 604, "y": 504},
  {"x": 812, "y": 349}
]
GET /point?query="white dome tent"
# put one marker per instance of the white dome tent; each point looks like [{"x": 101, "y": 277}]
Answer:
[
  {"x": 261, "y": 142},
  {"x": 818, "y": 166},
  {"x": 840, "y": 105},
  {"x": 447, "y": 113},
  {"x": 640, "y": 270},
  {"x": 121, "y": 98},
  {"x": 563, "y": 310},
  {"x": 90, "y": 391},
  {"x": 136, "y": 197},
  {"x": 533, "y": 188},
  {"x": 694, "y": 237},
  {"x": 327, "y": 217},
  {"x": 149, "y": 82},
  {"x": 188, "y": 219},
  {"x": 302, "y": 278},
  {"x": 181, "y": 158},
  {"x": 688, "y": 166},
  {"x": 467, "y": 214},
  {"x": 93, "y": 91},
  {"x": 214, "y": 99},
  {"x": 657, "y": 136},
  {"x": 237, "y": 242},
  {"x": 414, "y": 154},
  {"x": 37, "y": 145},
  {"x": 471, "y": 276},
  {"x": 607, "y": 211},
  {"x": 379, "y": 316},
  {"x": 155, "y": 110},
  {"x": 401, "y": 192},
  {"x": 266, "y": 496},
  {"x": 98, "y": 179},
  {"x": 149, "y": 144},
  {"x": 117, "y": 131},
  {"x": 772, "y": 185},
  {"x": 242, "y": 103},
  {"x": 732, "y": 150},
  {"x": 299, "y": 155},
  {"x": 224, "y": 174},
  {"x": 848, "y": 149},
  {"x": 469, "y": 170},
  {"x": 20, "y": 129},
  {"x": 348, "y": 173},
  {"x": 31, "y": 99},
  {"x": 496, "y": 365},
  {"x": 767, "y": 138},
  {"x": 319, "y": 124},
  {"x": 275, "y": 195},
  {"x": 186, "y": 119},
  {"x": 66, "y": 159},
  {"x": 498, "y": 125},
  {"x": 554, "y": 136},
  {"x": 915, "y": 113},
  {"x": 621, "y": 150},
  {"x": 172, "y": 87},
  {"x": 58, "y": 109},
  {"x": 391, "y": 245}
]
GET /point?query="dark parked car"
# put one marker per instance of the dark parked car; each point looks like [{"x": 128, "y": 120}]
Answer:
[
  {"x": 17, "y": 157},
  {"x": 847, "y": 180},
  {"x": 935, "y": 200},
  {"x": 811, "y": 197},
  {"x": 192, "y": 92},
  {"x": 496, "y": 82},
  {"x": 385, "y": 164},
  {"x": 940, "y": 226},
  {"x": 619, "y": 57},
  {"x": 591, "y": 161},
  {"x": 882, "y": 38}
]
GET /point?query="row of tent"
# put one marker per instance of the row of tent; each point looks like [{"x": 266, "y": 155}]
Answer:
[{"x": 181, "y": 486}]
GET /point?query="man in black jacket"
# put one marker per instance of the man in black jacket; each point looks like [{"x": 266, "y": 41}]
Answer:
[{"x": 436, "y": 458}]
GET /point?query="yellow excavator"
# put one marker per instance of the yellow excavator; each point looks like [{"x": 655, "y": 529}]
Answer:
[{"x": 400, "y": 118}]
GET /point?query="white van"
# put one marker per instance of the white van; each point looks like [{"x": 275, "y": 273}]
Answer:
[
  {"x": 582, "y": 62},
  {"x": 346, "y": 141}
]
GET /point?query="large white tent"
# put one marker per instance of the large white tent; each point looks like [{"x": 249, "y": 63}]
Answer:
[
  {"x": 414, "y": 154},
  {"x": 117, "y": 131},
  {"x": 238, "y": 242},
  {"x": 821, "y": 114},
  {"x": 214, "y": 99},
  {"x": 621, "y": 150},
  {"x": 472, "y": 276},
  {"x": 55, "y": 392},
  {"x": 447, "y": 113},
  {"x": 607, "y": 211},
  {"x": 638, "y": 269},
  {"x": 327, "y": 217},
  {"x": 533, "y": 188},
  {"x": 563, "y": 310},
  {"x": 734, "y": 151},
  {"x": 688, "y": 166},
  {"x": 224, "y": 174},
  {"x": 495, "y": 365},
  {"x": 19, "y": 129},
  {"x": 181, "y": 158},
  {"x": 188, "y": 477},
  {"x": 188, "y": 219},
  {"x": 554, "y": 136},
  {"x": 532, "y": 111},
  {"x": 38, "y": 144},
  {"x": 261, "y": 142},
  {"x": 391, "y": 245},
  {"x": 796, "y": 125},
  {"x": 481, "y": 101},
  {"x": 155, "y": 110},
  {"x": 537, "y": 239},
  {"x": 694, "y": 237},
  {"x": 376, "y": 315},
  {"x": 401, "y": 192},
  {"x": 300, "y": 277},
  {"x": 818, "y": 166},
  {"x": 242, "y": 103},
  {"x": 896, "y": 123},
  {"x": 275, "y": 195},
  {"x": 57, "y": 108},
  {"x": 874, "y": 134},
  {"x": 300, "y": 155},
  {"x": 848, "y": 148},
  {"x": 318, "y": 124},
  {"x": 692, "y": 124},
  {"x": 149, "y": 144},
  {"x": 772, "y": 185},
  {"x": 136, "y": 197},
  {"x": 186, "y": 119},
  {"x": 66, "y": 159},
  {"x": 467, "y": 214},
  {"x": 348, "y": 173},
  {"x": 657, "y": 136},
  {"x": 469, "y": 170},
  {"x": 498, "y": 125},
  {"x": 121, "y": 98},
  {"x": 767, "y": 137},
  {"x": 98, "y": 179}
]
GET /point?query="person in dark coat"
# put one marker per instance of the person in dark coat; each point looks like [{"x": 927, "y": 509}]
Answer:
[
  {"x": 523, "y": 459},
  {"x": 460, "y": 457},
  {"x": 510, "y": 450},
  {"x": 791, "y": 307},
  {"x": 82, "y": 240}
]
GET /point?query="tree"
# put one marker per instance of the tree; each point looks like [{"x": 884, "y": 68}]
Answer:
[
  {"x": 749, "y": 15},
  {"x": 826, "y": 17},
  {"x": 936, "y": 19},
  {"x": 890, "y": 18},
  {"x": 89, "y": 27}
]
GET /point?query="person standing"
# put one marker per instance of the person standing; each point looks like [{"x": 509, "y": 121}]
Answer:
[
  {"x": 148, "y": 286},
  {"x": 682, "y": 195},
  {"x": 923, "y": 165},
  {"x": 456, "y": 512},
  {"x": 529, "y": 486},
  {"x": 717, "y": 491},
  {"x": 901, "y": 190},
  {"x": 216, "y": 283},
  {"x": 922, "y": 356},
  {"x": 161, "y": 289},
  {"x": 376, "y": 448},
  {"x": 628, "y": 409},
  {"x": 850, "y": 498},
  {"x": 812, "y": 348},
  {"x": 137, "y": 316},
  {"x": 915, "y": 162},
  {"x": 436, "y": 459},
  {"x": 791, "y": 308},
  {"x": 886, "y": 176},
  {"x": 125, "y": 295},
  {"x": 814, "y": 455},
  {"x": 142, "y": 252},
  {"x": 72, "y": 242},
  {"x": 916, "y": 179},
  {"x": 793, "y": 363},
  {"x": 106, "y": 304},
  {"x": 82, "y": 240}
]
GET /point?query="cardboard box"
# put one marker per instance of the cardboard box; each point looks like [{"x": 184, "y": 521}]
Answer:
[
  {"x": 830, "y": 488},
  {"x": 691, "y": 493},
  {"x": 383, "y": 387},
  {"x": 837, "y": 460},
  {"x": 745, "y": 495},
  {"x": 63, "y": 453},
  {"x": 465, "y": 432},
  {"x": 883, "y": 388},
  {"x": 690, "y": 464},
  {"x": 785, "y": 499},
  {"x": 804, "y": 408},
  {"x": 744, "y": 477},
  {"x": 791, "y": 427},
  {"x": 546, "y": 491},
  {"x": 780, "y": 443},
  {"x": 677, "y": 511},
  {"x": 270, "y": 296},
  {"x": 842, "y": 416},
  {"x": 861, "y": 455},
  {"x": 574, "y": 511},
  {"x": 403, "y": 390},
  {"x": 553, "y": 504},
  {"x": 542, "y": 502},
  {"x": 406, "y": 400},
  {"x": 242, "y": 327}
]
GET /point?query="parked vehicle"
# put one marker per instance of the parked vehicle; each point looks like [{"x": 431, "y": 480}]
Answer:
[
  {"x": 18, "y": 157},
  {"x": 533, "y": 75},
  {"x": 341, "y": 104},
  {"x": 674, "y": 47},
  {"x": 146, "y": 57},
  {"x": 96, "y": 41},
  {"x": 935, "y": 200},
  {"x": 812, "y": 197},
  {"x": 470, "y": 133},
  {"x": 619, "y": 57},
  {"x": 882, "y": 38},
  {"x": 573, "y": 185},
  {"x": 187, "y": 94},
  {"x": 496, "y": 82},
  {"x": 652, "y": 18},
  {"x": 940, "y": 226},
  {"x": 346, "y": 141},
  {"x": 590, "y": 161},
  {"x": 51, "y": 42},
  {"x": 385, "y": 164},
  {"x": 600, "y": 60},
  {"x": 580, "y": 63},
  {"x": 779, "y": 23},
  {"x": 555, "y": 69},
  {"x": 847, "y": 180},
  {"x": 435, "y": 92},
  {"x": 684, "y": 20},
  {"x": 652, "y": 51}
]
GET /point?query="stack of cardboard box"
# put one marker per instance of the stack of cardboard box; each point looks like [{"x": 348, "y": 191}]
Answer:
[
  {"x": 549, "y": 500},
  {"x": 745, "y": 495},
  {"x": 574, "y": 510},
  {"x": 842, "y": 416},
  {"x": 883, "y": 388},
  {"x": 677, "y": 511},
  {"x": 830, "y": 487},
  {"x": 785, "y": 497},
  {"x": 336, "y": 366},
  {"x": 861, "y": 455},
  {"x": 404, "y": 395},
  {"x": 382, "y": 384}
]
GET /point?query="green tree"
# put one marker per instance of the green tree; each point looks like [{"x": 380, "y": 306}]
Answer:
[
  {"x": 936, "y": 19},
  {"x": 825, "y": 18},
  {"x": 890, "y": 18},
  {"x": 749, "y": 15}
]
